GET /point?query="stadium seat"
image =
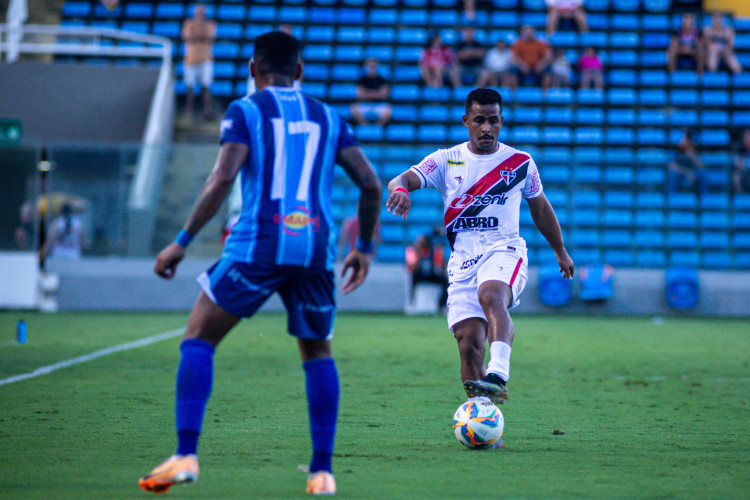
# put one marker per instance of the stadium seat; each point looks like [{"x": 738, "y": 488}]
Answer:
[
  {"x": 683, "y": 118},
  {"x": 687, "y": 258},
  {"x": 231, "y": 12},
  {"x": 581, "y": 238},
  {"x": 651, "y": 258},
  {"x": 342, "y": 92},
  {"x": 400, "y": 133},
  {"x": 414, "y": 17},
  {"x": 717, "y": 260},
  {"x": 588, "y": 155},
  {"x": 588, "y": 135},
  {"x": 715, "y": 220},
  {"x": 620, "y": 136},
  {"x": 76, "y": 9},
  {"x": 293, "y": 15},
  {"x": 687, "y": 79},
  {"x": 586, "y": 218},
  {"x": 368, "y": 133},
  {"x": 432, "y": 133},
  {"x": 586, "y": 199},
  {"x": 321, "y": 15},
  {"x": 714, "y": 138},
  {"x": 619, "y": 116},
  {"x": 317, "y": 90},
  {"x": 526, "y": 134},
  {"x": 648, "y": 238},
  {"x": 529, "y": 95},
  {"x": 557, "y": 116},
  {"x": 682, "y": 240},
  {"x": 557, "y": 135},
  {"x": 716, "y": 80},
  {"x": 406, "y": 54},
  {"x": 683, "y": 97},
  {"x": 351, "y": 16},
  {"x": 714, "y": 240},
  {"x": 741, "y": 241},
  {"x": 652, "y": 117},
  {"x": 652, "y": 137},
  {"x": 649, "y": 219},
  {"x": 714, "y": 98},
  {"x": 653, "y": 78},
  {"x": 597, "y": 39},
  {"x": 589, "y": 116},
  {"x": 653, "y": 97},
  {"x": 258, "y": 13},
  {"x": 559, "y": 96}
]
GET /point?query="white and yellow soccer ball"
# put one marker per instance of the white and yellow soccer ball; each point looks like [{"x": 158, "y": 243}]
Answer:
[{"x": 478, "y": 424}]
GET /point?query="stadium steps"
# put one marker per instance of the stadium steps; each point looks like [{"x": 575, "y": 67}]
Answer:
[{"x": 186, "y": 172}]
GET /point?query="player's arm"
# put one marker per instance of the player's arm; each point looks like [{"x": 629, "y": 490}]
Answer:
[
  {"x": 398, "y": 192},
  {"x": 546, "y": 221},
  {"x": 360, "y": 171},
  {"x": 231, "y": 157}
]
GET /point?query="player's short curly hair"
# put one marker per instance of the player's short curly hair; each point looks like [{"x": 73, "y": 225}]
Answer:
[
  {"x": 276, "y": 52},
  {"x": 484, "y": 96}
]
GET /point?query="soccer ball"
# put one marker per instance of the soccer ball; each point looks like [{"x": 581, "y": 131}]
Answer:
[{"x": 478, "y": 424}]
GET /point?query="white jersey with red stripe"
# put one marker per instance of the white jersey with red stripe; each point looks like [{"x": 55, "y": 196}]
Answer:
[{"x": 482, "y": 198}]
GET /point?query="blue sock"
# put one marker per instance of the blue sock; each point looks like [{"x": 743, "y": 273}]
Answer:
[
  {"x": 194, "y": 378},
  {"x": 322, "y": 385}
]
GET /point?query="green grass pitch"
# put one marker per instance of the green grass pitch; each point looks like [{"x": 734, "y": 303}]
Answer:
[{"x": 599, "y": 407}]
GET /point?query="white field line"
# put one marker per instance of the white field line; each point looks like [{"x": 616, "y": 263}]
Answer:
[{"x": 44, "y": 370}]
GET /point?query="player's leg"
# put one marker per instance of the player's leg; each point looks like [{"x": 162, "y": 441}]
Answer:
[
  {"x": 308, "y": 297},
  {"x": 207, "y": 325},
  {"x": 501, "y": 277},
  {"x": 471, "y": 337}
]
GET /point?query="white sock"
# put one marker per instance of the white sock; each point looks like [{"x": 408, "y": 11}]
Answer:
[{"x": 499, "y": 360}]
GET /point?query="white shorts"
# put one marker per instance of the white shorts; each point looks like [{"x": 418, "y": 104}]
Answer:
[
  {"x": 508, "y": 266},
  {"x": 204, "y": 70}
]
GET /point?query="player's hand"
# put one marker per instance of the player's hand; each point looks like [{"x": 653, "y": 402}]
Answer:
[
  {"x": 566, "y": 265},
  {"x": 359, "y": 263},
  {"x": 399, "y": 203},
  {"x": 167, "y": 260}
]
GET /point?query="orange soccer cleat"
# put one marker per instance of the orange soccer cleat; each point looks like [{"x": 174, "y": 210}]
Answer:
[
  {"x": 321, "y": 483},
  {"x": 177, "y": 469}
]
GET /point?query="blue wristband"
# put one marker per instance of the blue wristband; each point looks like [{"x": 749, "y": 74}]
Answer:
[
  {"x": 183, "y": 238},
  {"x": 364, "y": 247}
]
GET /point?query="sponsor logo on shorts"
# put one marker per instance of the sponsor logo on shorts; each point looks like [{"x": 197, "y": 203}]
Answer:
[
  {"x": 307, "y": 307},
  {"x": 470, "y": 262},
  {"x": 236, "y": 276},
  {"x": 295, "y": 222},
  {"x": 485, "y": 200},
  {"x": 476, "y": 224},
  {"x": 455, "y": 163}
]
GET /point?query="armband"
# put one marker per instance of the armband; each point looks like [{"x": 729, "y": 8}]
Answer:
[
  {"x": 364, "y": 247},
  {"x": 402, "y": 190},
  {"x": 183, "y": 238}
]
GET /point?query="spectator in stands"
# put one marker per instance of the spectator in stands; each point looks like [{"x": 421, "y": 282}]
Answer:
[
  {"x": 470, "y": 54},
  {"x": 372, "y": 96},
  {"x": 497, "y": 67},
  {"x": 425, "y": 262},
  {"x": 719, "y": 40},
  {"x": 686, "y": 169},
  {"x": 531, "y": 56},
  {"x": 436, "y": 61},
  {"x": 560, "y": 71},
  {"x": 565, "y": 9},
  {"x": 591, "y": 68},
  {"x": 686, "y": 44},
  {"x": 470, "y": 11},
  {"x": 741, "y": 172},
  {"x": 199, "y": 34},
  {"x": 65, "y": 238}
]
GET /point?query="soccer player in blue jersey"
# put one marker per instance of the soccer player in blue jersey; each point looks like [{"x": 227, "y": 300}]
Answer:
[{"x": 284, "y": 146}]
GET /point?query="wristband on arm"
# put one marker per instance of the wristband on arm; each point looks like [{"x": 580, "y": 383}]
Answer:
[
  {"x": 364, "y": 247},
  {"x": 183, "y": 238},
  {"x": 402, "y": 190}
]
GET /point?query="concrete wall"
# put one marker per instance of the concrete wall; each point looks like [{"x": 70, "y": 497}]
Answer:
[
  {"x": 62, "y": 102},
  {"x": 129, "y": 284}
]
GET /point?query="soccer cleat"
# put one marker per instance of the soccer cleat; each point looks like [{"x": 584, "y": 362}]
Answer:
[
  {"x": 177, "y": 469},
  {"x": 491, "y": 386},
  {"x": 321, "y": 483}
]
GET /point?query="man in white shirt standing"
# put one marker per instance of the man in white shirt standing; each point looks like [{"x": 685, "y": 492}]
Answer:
[{"x": 482, "y": 182}]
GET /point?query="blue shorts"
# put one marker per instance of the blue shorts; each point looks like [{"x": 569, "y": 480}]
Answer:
[{"x": 241, "y": 288}]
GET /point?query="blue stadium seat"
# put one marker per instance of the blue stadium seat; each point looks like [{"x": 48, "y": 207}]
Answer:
[
  {"x": 741, "y": 98},
  {"x": 620, "y": 136},
  {"x": 535, "y": 19},
  {"x": 317, "y": 53},
  {"x": 170, "y": 29},
  {"x": 348, "y": 53},
  {"x": 624, "y": 39},
  {"x": 557, "y": 154},
  {"x": 682, "y": 219},
  {"x": 316, "y": 72},
  {"x": 443, "y": 18},
  {"x": 588, "y": 155},
  {"x": 433, "y": 114},
  {"x": 683, "y": 118},
  {"x": 381, "y": 35},
  {"x": 590, "y": 175},
  {"x": 414, "y": 17},
  {"x": 230, "y": 12},
  {"x": 597, "y": 21},
  {"x": 222, "y": 88},
  {"x": 622, "y": 78},
  {"x": 406, "y": 54},
  {"x": 369, "y": 132},
  {"x": 432, "y": 133},
  {"x": 688, "y": 258},
  {"x": 619, "y": 156},
  {"x": 139, "y": 10},
  {"x": 228, "y": 31},
  {"x": 597, "y": 39},
  {"x": 408, "y": 73},
  {"x": 442, "y": 94},
  {"x": 619, "y": 175},
  {"x": 400, "y": 133},
  {"x": 589, "y": 116},
  {"x": 383, "y": 17},
  {"x": 258, "y": 13},
  {"x": 652, "y": 137},
  {"x": 714, "y": 118},
  {"x": 587, "y": 199},
  {"x": 585, "y": 237},
  {"x": 653, "y": 97},
  {"x": 625, "y": 22},
  {"x": 586, "y": 218},
  {"x": 650, "y": 200},
  {"x": 351, "y": 34},
  {"x": 714, "y": 201},
  {"x": 655, "y": 22},
  {"x": 566, "y": 39},
  {"x": 590, "y": 96},
  {"x": 226, "y": 50},
  {"x": 685, "y": 201},
  {"x": 715, "y": 220},
  {"x": 559, "y": 96},
  {"x": 405, "y": 92},
  {"x": 623, "y": 58},
  {"x": 404, "y": 113},
  {"x": 351, "y": 16},
  {"x": 135, "y": 27},
  {"x": 616, "y": 238},
  {"x": 529, "y": 95},
  {"x": 526, "y": 134},
  {"x": 504, "y": 19},
  {"x": 382, "y": 53},
  {"x": 714, "y": 138},
  {"x": 76, "y": 9},
  {"x": 224, "y": 69},
  {"x": 342, "y": 92},
  {"x": 741, "y": 241},
  {"x": 588, "y": 135},
  {"x": 650, "y": 258},
  {"x": 714, "y": 240},
  {"x": 655, "y": 40},
  {"x": 458, "y": 133},
  {"x": 715, "y": 98},
  {"x": 293, "y": 15},
  {"x": 650, "y": 176},
  {"x": 412, "y": 36},
  {"x": 716, "y": 80},
  {"x": 717, "y": 260},
  {"x": 683, "y": 97},
  {"x": 556, "y": 174},
  {"x": 527, "y": 115},
  {"x": 653, "y": 58},
  {"x": 320, "y": 34},
  {"x": 317, "y": 90},
  {"x": 652, "y": 117},
  {"x": 682, "y": 239},
  {"x": 618, "y": 199},
  {"x": 617, "y": 218},
  {"x": 557, "y": 116},
  {"x": 653, "y": 78},
  {"x": 684, "y": 79},
  {"x": 648, "y": 238},
  {"x": 321, "y": 15},
  {"x": 619, "y": 116}
]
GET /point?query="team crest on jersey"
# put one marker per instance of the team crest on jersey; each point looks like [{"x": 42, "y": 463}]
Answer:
[
  {"x": 296, "y": 221},
  {"x": 226, "y": 124},
  {"x": 459, "y": 179},
  {"x": 507, "y": 176}
]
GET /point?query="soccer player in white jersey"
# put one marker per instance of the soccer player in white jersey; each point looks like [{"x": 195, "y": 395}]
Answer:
[{"x": 482, "y": 182}]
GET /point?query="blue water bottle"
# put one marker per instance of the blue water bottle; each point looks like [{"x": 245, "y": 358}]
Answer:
[{"x": 21, "y": 331}]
